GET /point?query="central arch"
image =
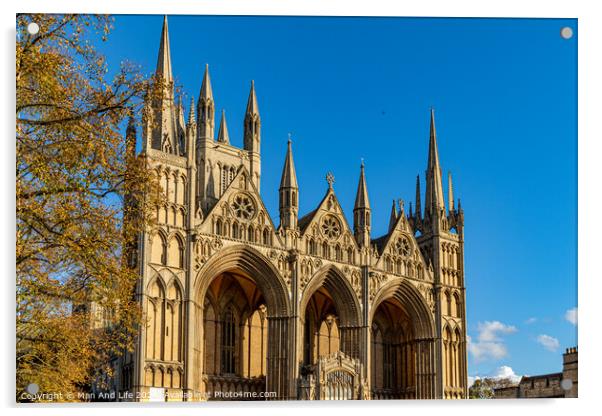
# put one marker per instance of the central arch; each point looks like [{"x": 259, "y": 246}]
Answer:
[
  {"x": 242, "y": 316},
  {"x": 345, "y": 300},
  {"x": 330, "y": 316}
]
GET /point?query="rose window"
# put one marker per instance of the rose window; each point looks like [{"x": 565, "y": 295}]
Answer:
[
  {"x": 243, "y": 207},
  {"x": 402, "y": 246},
  {"x": 331, "y": 227}
]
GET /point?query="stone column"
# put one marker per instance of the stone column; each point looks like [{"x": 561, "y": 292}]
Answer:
[
  {"x": 278, "y": 356},
  {"x": 295, "y": 325}
]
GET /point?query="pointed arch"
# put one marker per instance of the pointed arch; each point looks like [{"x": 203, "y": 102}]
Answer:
[
  {"x": 344, "y": 297},
  {"x": 252, "y": 262},
  {"x": 175, "y": 251},
  {"x": 159, "y": 247},
  {"x": 413, "y": 301}
]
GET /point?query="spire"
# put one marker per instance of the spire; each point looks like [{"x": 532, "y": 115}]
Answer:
[
  {"x": 206, "y": 90},
  {"x": 434, "y": 187},
  {"x": 418, "y": 204},
  {"x": 222, "y": 134},
  {"x": 252, "y": 123},
  {"x": 252, "y": 107},
  {"x": 164, "y": 59},
  {"x": 361, "y": 212},
  {"x": 393, "y": 217},
  {"x": 289, "y": 191},
  {"x": 361, "y": 198},
  {"x": 450, "y": 191},
  {"x": 289, "y": 176},
  {"x": 191, "y": 115},
  {"x": 206, "y": 109}
]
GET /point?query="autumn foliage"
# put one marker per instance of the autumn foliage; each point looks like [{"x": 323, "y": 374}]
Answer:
[{"x": 81, "y": 201}]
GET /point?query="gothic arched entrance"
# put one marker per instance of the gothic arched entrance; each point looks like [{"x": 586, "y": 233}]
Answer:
[
  {"x": 402, "y": 345},
  {"x": 242, "y": 320},
  {"x": 331, "y": 367},
  {"x": 392, "y": 352}
]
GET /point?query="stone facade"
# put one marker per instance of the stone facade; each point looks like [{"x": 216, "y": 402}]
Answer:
[
  {"x": 311, "y": 308},
  {"x": 564, "y": 384}
]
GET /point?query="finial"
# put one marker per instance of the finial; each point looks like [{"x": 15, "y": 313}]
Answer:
[
  {"x": 330, "y": 179},
  {"x": 362, "y": 165},
  {"x": 290, "y": 140}
]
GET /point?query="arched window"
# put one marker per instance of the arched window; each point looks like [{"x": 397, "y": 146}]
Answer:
[
  {"x": 251, "y": 234},
  {"x": 266, "y": 237},
  {"x": 457, "y": 305},
  {"x": 235, "y": 231},
  {"x": 449, "y": 303},
  {"x": 163, "y": 251},
  {"x": 312, "y": 247},
  {"x": 181, "y": 256},
  {"x": 218, "y": 227},
  {"x": 325, "y": 249},
  {"x": 228, "y": 342},
  {"x": 338, "y": 253},
  {"x": 350, "y": 255}
]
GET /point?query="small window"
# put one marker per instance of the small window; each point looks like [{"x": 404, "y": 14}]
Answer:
[{"x": 228, "y": 343}]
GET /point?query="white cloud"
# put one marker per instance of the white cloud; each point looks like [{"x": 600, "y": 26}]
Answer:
[
  {"x": 489, "y": 344},
  {"x": 571, "y": 316},
  {"x": 531, "y": 320},
  {"x": 505, "y": 371},
  {"x": 490, "y": 330},
  {"x": 549, "y": 343}
]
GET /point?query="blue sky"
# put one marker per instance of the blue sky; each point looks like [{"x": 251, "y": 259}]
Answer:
[{"x": 505, "y": 97}]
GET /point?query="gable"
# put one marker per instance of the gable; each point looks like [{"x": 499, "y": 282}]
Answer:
[
  {"x": 399, "y": 252},
  {"x": 328, "y": 223},
  {"x": 241, "y": 214}
]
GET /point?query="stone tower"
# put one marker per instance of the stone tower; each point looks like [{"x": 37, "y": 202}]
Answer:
[{"x": 441, "y": 240}]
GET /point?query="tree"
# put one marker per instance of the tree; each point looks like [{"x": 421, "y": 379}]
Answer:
[
  {"x": 75, "y": 306},
  {"x": 483, "y": 388}
]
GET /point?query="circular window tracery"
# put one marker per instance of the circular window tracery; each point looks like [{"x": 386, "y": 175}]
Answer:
[
  {"x": 243, "y": 207},
  {"x": 331, "y": 227},
  {"x": 402, "y": 246}
]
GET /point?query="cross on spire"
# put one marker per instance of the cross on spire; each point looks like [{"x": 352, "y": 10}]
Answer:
[{"x": 330, "y": 179}]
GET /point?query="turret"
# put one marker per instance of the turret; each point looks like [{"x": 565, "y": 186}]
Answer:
[
  {"x": 362, "y": 212},
  {"x": 252, "y": 123},
  {"x": 289, "y": 192},
  {"x": 252, "y": 135},
  {"x": 206, "y": 109}
]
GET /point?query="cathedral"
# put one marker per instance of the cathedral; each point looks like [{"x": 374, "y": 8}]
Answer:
[{"x": 237, "y": 307}]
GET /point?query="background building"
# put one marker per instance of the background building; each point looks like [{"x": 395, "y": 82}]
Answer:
[
  {"x": 562, "y": 384},
  {"x": 314, "y": 308}
]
